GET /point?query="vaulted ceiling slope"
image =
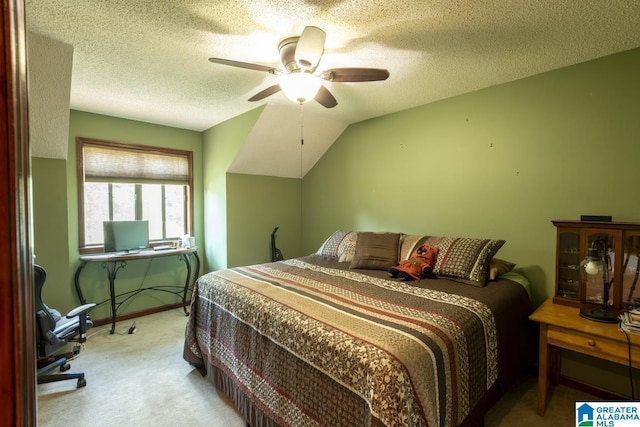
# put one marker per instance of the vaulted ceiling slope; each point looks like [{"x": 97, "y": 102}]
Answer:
[
  {"x": 286, "y": 142},
  {"x": 147, "y": 60}
]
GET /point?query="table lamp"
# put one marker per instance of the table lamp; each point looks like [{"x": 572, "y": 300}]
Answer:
[{"x": 595, "y": 268}]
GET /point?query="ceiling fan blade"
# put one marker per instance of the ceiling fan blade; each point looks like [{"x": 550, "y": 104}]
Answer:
[
  {"x": 247, "y": 65},
  {"x": 355, "y": 74},
  {"x": 310, "y": 48},
  {"x": 266, "y": 92},
  {"x": 325, "y": 98}
]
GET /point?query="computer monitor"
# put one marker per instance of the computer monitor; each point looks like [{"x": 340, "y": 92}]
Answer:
[{"x": 125, "y": 236}]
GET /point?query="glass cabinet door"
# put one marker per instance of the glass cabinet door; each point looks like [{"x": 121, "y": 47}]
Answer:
[
  {"x": 630, "y": 269},
  {"x": 569, "y": 256},
  {"x": 594, "y": 286}
]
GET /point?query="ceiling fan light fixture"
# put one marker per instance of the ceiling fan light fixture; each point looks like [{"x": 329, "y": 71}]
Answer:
[
  {"x": 300, "y": 56},
  {"x": 300, "y": 86}
]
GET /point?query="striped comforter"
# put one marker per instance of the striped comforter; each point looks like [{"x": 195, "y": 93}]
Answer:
[{"x": 310, "y": 345}]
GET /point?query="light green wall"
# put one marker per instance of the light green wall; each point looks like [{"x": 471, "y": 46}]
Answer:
[
  {"x": 56, "y": 216},
  {"x": 51, "y": 230},
  {"x": 498, "y": 163},
  {"x": 255, "y": 205},
  {"x": 221, "y": 144}
]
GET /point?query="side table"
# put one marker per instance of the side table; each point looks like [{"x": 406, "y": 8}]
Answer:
[{"x": 562, "y": 327}]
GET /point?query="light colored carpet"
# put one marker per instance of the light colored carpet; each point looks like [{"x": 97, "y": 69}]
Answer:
[{"x": 142, "y": 380}]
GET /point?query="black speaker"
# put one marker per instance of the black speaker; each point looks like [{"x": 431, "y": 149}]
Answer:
[{"x": 596, "y": 218}]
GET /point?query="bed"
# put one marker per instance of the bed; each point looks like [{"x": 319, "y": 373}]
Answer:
[{"x": 330, "y": 339}]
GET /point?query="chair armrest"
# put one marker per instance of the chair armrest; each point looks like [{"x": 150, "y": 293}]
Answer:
[
  {"x": 83, "y": 309},
  {"x": 81, "y": 313}
]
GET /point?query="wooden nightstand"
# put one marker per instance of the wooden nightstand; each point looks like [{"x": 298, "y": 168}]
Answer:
[{"x": 562, "y": 327}]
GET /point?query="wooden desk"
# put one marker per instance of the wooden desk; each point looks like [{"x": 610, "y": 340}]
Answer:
[
  {"x": 562, "y": 327},
  {"x": 112, "y": 262}
]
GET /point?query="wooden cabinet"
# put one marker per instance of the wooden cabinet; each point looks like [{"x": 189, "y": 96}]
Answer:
[{"x": 622, "y": 242}]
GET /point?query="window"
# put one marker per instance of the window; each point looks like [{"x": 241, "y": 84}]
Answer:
[{"x": 125, "y": 182}]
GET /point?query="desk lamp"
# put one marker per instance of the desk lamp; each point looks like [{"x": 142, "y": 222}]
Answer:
[{"x": 593, "y": 268}]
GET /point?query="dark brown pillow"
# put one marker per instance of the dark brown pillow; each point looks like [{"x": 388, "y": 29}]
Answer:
[
  {"x": 376, "y": 251},
  {"x": 498, "y": 267}
]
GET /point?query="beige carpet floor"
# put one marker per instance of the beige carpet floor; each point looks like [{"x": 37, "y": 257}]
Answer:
[{"x": 141, "y": 380}]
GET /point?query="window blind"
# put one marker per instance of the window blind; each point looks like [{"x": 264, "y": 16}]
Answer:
[{"x": 137, "y": 166}]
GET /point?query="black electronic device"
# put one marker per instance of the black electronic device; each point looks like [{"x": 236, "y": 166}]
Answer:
[
  {"x": 276, "y": 254},
  {"x": 596, "y": 218}
]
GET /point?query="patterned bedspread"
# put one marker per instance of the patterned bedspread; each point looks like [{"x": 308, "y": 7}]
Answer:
[{"x": 313, "y": 345}]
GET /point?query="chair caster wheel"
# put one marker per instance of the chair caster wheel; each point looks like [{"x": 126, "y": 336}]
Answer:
[
  {"x": 81, "y": 382},
  {"x": 65, "y": 367}
]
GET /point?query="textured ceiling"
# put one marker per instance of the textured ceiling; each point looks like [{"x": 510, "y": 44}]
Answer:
[{"x": 147, "y": 59}]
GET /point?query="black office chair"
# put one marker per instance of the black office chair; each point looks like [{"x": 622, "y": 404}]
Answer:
[{"x": 54, "y": 332}]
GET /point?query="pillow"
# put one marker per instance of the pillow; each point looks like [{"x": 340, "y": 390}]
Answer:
[
  {"x": 409, "y": 243},
  {"x": 464, "y": 259},
  {"x": 334, "y": 245},
  {"x": 347, "y": 247},
  {"x": 498, "y": 267},
  {"x": 376, "y": 251}
]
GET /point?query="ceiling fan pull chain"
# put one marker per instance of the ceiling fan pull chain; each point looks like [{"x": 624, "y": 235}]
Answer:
[
  {"x": 301, "y": 124},
  {"x": 301, "y": 167},
  {"x": 301, "y": 135}
]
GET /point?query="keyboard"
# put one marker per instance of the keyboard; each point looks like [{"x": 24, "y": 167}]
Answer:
[{"x": 163, "y": 247}]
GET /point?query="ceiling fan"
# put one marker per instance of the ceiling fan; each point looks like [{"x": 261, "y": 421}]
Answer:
[{"x": 300, "y": 56}]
